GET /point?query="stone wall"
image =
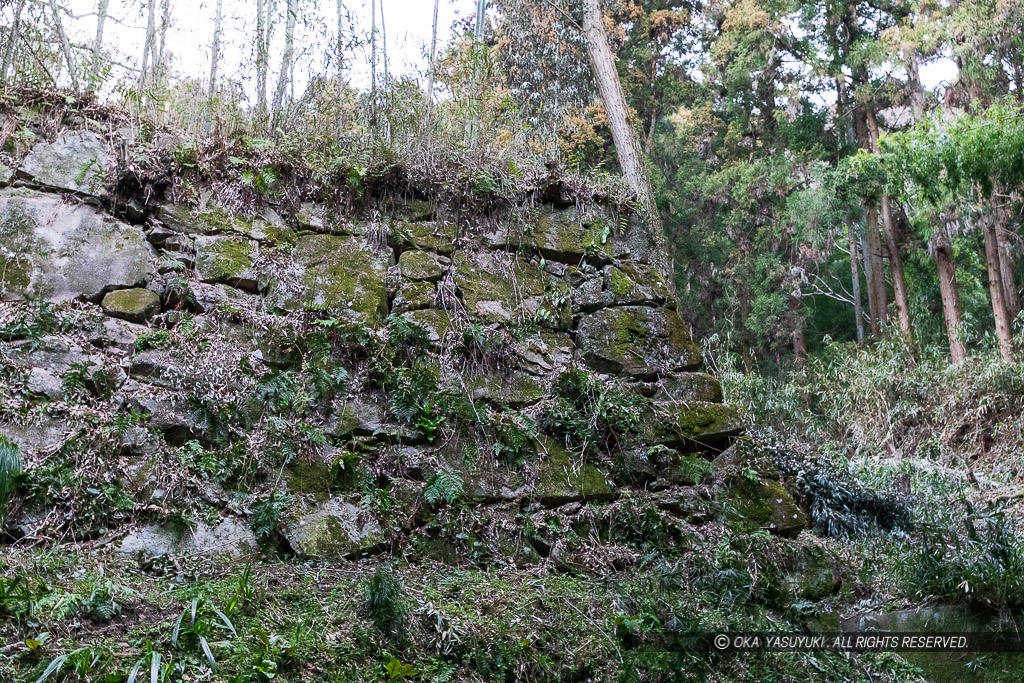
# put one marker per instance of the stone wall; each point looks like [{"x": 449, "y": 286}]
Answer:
[{"x": 195, "y": 305}]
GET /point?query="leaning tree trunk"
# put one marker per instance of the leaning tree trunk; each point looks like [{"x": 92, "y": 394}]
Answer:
[
  {"x": 1011, "y": 297},
  {"x": 627, "y": 144},
  {"x": 899, "y": 281},
  {"x": 799, "y": 327},
  {"x": 1004, "y": 332},
  {"x": 950, "y": 294},
  {"x": 65, "y": 44}
]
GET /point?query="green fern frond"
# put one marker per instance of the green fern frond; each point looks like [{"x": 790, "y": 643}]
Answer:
[{"x": 10, "y": 468}]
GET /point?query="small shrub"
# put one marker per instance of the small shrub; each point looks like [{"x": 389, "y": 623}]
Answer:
[
  {"x": 147, "y": 341},
  {"x": 266, "y": 514},
  {"x": 386, "y": 602}
]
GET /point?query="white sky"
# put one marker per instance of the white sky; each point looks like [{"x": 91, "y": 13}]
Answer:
[{"x": 407, "y": 23}]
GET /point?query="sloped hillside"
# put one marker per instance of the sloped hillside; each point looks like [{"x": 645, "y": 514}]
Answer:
[{"x": 339, "y": 437}]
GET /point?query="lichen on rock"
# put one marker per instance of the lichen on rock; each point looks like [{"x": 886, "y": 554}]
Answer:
[
  {"x": 640, "y": 341},
  {"x": 135, "y": 305}
]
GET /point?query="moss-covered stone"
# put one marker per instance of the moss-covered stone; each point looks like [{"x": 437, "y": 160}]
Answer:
[
  {"x": 413, "y": 296},
  {"x": 227, "y": 260},
  {"x": 58, "y": 251},
  {"x": 564, "y": 236},
  {"x": 436, "y": 322},
  {"x": 415, "y": 210},
  {"x": 637, "y": 340},
  {"x": 513, "y": 389},
  {"x": 689, "y": 386},
  {"x": 747, "y": 485},
  {"x": 418, "y": 265},
  {"x": 437, "y": 237},
  {"x": 565, "y": 479},
  {"x": 811, "y": 570},
  {"x": 691, "y": 425},
  {"x": 634, "y": 283},
  {"x": 334, "y": 530},
  {"x": 337, "y": 274},
  {"x": 499, "y": 288},
  {"x": 134, "y": 305},
  {"x": 318, "y": 473}
]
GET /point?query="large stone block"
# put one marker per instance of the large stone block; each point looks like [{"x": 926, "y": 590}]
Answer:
[
  {"x": 227, "y": 260},
  {"x": 76, "y": 162},
  {"x": 499, "y": 288},
  {"x": 57, "y": 251},
  {"x": 334, "y": 530},
  {"x": 340, "y": 274},
  {"x": 637, "y": 340}
]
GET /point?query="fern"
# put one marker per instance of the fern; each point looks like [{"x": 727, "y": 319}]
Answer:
[
  {"x": 386, "y": 602},
  {"x": 445, "y": 486},
  {"x": 10, "y": 470}
]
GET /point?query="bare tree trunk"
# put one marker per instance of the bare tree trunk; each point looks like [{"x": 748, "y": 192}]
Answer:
[
  {"x": 481, "y": 10},
  {"x": 858, "y": 306},
  {"x": 745, "y": 355},
  {"x": 65, "y": 45},
  {"x": 384, "y": 44},
  {"x": 264, "y": 14},
  {"x": 373, "y": 64},
  {"x": 97, "y": 45},
  {"x": 899, "y": 281},
  {"x": 995, "y": 287},
  {"x": 950, "y": 295},
  {"x": 147, "y": 47},
  {"x": 627, "y": 145},
  {"x": 911, "y": 64},
  {"x": 215, "y": 50},
  {"x": 877, "y": 304},
  {"x": 341, "y": 70},
  {"x": 12, "y": 39},
  {"x": 1010, "y": 294},
  {"x": 165, "y": 23},
  {"x": 799, "y": 328},
  {"x": 284, "y": 77},
  {"x": 433, "y": 56}
]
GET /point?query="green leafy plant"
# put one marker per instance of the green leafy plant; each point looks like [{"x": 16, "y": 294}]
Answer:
[
  {"x": 85, "y": 663},
  {"x": 10, "y": 472},
  {"x": 444, "y": 485},
  {"x": 398, "y": 671},
  {"x": 147, "y": 341},
  {"x": 429, "y": 420},
  {"x": 266, "y": 514},
  {"x": 196, "y": 625},
  {"x": 101, "y": 605},
  {"x": 386, "y": 602}
]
